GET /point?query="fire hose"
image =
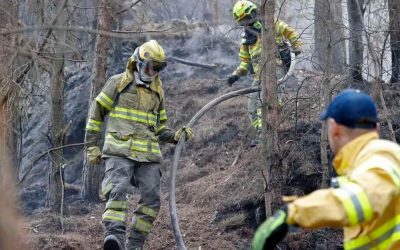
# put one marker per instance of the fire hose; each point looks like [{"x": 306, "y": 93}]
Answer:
[
  {"x": 181, "y": 143},
  {"x": 178, "y": 150}
]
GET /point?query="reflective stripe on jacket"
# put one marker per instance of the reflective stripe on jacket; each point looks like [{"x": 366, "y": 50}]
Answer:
[
  {"x": 137, "y": 118},
  {"x": 251, "y": 53},
  {"x": 366, "y": 201}
]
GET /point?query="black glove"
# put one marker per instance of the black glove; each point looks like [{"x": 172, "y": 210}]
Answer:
[
  {"x": 271, "y": 232},
  {"x": 232, "y": 79}
]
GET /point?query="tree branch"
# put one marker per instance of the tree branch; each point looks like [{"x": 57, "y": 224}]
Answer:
[
  {"x": 45, "y": 153},
  {"x": 191, "y": 63},
  {"x": 127, "y": 8}
]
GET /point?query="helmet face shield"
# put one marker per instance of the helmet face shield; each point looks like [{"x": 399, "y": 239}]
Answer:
[
  {"x": 157, "y": 66},
  {"x": 153, "y": 67}
]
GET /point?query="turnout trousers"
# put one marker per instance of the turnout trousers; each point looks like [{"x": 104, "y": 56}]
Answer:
[
  {"x": 120, "y": 175},
  {"x": 254, "y": 102}
]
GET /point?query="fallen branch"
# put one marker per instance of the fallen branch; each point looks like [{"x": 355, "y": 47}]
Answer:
[
  {"x": 201, "y": 65},
  {"x": 236, "y": 159}
]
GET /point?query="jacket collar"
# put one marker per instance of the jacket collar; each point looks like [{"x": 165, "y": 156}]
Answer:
[{"x": 346, "y": 157}]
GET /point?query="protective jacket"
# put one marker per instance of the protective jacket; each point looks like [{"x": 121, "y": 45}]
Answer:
[
  {"x": 137, "y": 118},
  {"x": 250, "y": 47},
  {"x": 365, "y": 199}
]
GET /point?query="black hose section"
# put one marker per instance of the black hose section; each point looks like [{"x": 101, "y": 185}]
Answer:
[{"x": 177, "y": 154}]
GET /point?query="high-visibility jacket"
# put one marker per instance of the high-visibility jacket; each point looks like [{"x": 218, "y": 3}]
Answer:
[
  {"x": 137, "y": 118},
  {"x": 366, "y": 200},
  {"x": 250, "y": 54}
]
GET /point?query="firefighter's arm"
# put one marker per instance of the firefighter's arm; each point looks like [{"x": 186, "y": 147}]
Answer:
[
  {"x": 289, "y": 33},
  {"x": 99, "y": 107},
  {"x": 364, "y": 197},
  {"x": 166, "y": 134},
  {"x": 318, "y": 209},
  {"x": 244, "y": 57}
]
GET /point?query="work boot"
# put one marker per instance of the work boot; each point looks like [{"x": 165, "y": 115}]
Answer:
[
  {"x": 111, "y": 242},
  {"x": 257, "y": 140}
]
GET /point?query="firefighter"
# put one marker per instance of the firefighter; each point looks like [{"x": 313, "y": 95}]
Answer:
[
  {"x": 245, "y": 14},
  {"x": 365, "y": 197},
  {"x": 134, "y": 102}
]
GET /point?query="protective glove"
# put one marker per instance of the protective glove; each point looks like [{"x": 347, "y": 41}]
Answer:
[
  {"x": 271, "y": 232},
  {"x": 93, "y": 155},
  {"x": 188, "y": 132},
  {"x": 297, "y": 51},
  {"x": 232, "y": 79}
]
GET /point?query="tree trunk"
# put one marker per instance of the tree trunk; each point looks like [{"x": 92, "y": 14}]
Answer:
[
  {"x": 91, "y": 174},
  {"x": 394, "y": 29},
  {"x": 269, "y": 109},
  {"x": 329, "y": 10},
  {"x": 216, "y": 13},
  {"x": 354, "y": 8},
  {"x": 54, "y": 188},
  {"x": 8, "y": 92},
  {"x": 327, "y": 27},
  {"x": 55, "y": 185}
]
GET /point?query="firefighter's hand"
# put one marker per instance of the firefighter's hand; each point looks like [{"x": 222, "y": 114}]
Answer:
[
  {"x": 271, "y": 232},
  {"x": 297, "y": 51},
  {"x": 188, "y": 133},
  {"x": 93, "y": 155},
  {"x": 232, "y": 79}
]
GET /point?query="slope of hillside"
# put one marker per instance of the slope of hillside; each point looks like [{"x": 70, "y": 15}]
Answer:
[{"x": 219, "y": 183}]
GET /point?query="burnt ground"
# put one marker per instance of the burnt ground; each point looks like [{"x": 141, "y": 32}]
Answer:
[
  {"x": 219, "y": 183},
  {"x": 219, "y": 186}
]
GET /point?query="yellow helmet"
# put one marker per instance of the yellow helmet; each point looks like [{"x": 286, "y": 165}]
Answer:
[
  {"x": 242, "y": 9},
  {"x": 152, "y": 51},
  {"x": 150, "y": 56}
]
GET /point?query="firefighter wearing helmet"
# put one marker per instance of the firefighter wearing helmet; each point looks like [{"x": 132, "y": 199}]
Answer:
[
  {"x": 137, "y": 121},
  {"x": 245, "y": 14}
]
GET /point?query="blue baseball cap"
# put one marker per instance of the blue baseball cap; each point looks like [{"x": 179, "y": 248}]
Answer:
[{"x": 352, "y": 108}]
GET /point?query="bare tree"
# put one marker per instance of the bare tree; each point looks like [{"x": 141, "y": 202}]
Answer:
[
  {"x": 356, "y": 48},
  {"x": 54, "y": 189},
  {"x": 328, "y": 11},
  {"x": 91, "y": 174},
  {"x": 394, "y": 30},
  {"x": 269, "y": 107},
  {"x": 326, "y": 43}
]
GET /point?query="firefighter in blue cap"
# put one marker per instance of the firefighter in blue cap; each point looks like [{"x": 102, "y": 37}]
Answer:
[{"x": 364, "y": 199}]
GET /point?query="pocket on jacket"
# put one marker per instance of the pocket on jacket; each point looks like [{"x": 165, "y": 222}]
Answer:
[{"x": 116, "y": 144}]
